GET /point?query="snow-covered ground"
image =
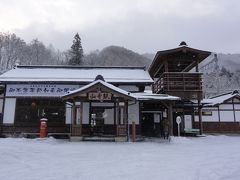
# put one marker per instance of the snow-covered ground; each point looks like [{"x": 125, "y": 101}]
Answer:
[{"x": 205, "y": 158}]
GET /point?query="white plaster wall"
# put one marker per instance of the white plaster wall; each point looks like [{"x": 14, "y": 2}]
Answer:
[
  {"x": 9, "y": 110},
  {"x": 226, "y": 106},
  {"x": 85, "y": 116},
  {"x": 196, "y": 119},
  {"x": 237, "y": 115},
  {"x": 129, "y": 88},
  {"x": 121, "y": 111},
  {"x": 133, "y": 113},
  {"x": 237, "y": 111},
  {"x": 68, "y": 119},
  {"x": 213, "y": 118},
  {"x": 226, "y": 116},
  {"x": 109, "y": 116},
  {"x": 237, "y": 106}
]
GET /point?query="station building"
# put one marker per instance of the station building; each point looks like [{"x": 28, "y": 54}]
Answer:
[{"x": 106, "y": 101}]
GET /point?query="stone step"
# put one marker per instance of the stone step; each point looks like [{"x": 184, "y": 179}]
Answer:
[{"x": 99, "y": 138}]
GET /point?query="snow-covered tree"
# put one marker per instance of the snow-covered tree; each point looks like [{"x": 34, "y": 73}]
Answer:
[
  {"x": 14, "y": 50},
  {"x": 76, "y": 51}
]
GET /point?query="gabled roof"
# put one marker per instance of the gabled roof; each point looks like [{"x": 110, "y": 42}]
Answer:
[
  {"x": 110, "y": 87},
  {"x": 162, "y": 56},
  {"x": 213, "y": 101},
  {"x": 76, "y": 74}
]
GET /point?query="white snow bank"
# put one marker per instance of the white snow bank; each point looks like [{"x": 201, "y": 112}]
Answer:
[
  {"x": 179, "y": 140},
  {"x": 205, "y": 158}
]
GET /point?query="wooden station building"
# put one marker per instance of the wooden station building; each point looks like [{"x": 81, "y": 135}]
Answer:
[
  {"x": 80, "y": 101},
  {"x": 105, "y": 101}
]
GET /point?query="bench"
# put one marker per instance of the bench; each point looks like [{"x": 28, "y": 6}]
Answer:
[{"x": 190, "y": 131}]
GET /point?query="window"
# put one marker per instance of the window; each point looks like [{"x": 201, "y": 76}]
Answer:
[
  {"x": 32, "y": 110},
  {"x": 204, "y": 113}
]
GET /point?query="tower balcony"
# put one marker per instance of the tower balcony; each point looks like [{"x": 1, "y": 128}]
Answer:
[{"x": 182, "y": 84}]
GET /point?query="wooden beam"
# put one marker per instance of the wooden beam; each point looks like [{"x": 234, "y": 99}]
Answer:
[
  {"x": 200, "y": 117},
  {"x": 157, "y": 71},
  {"x": 234, "y": 114},
  {"x": 170, "y": 120},
  {"x": 197, "y": 68},
  {"x": 166, "y": 66},
  {"x": 189, "y": 67},
  {"x": 125, "y": 115},
  {"x": 219, "y": 117},
  {"x": 117, "y": 116},
  {"x": 74, "y": 113},
  {"x": 81, "y": 117}
]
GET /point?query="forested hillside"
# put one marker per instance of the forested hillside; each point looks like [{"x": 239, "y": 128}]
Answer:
[
  {"x": 116, "y": 56},
  {"x": 221, "y": 74}
]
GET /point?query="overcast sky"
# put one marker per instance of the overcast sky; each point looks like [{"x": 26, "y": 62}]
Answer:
[{"x": 140, "y": 25}]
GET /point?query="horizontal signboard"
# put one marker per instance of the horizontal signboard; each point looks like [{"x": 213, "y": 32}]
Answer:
[
  {"x": 53, "y": 90},
  {"x": 99, "y": 96}
]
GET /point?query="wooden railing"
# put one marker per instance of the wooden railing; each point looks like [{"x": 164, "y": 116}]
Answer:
[{"x": 178, "y": 81}]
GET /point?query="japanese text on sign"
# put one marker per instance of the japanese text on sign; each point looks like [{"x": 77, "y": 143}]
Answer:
[
  {"x": 100, "y": 96},
  {"x": 38, "y": 89}
]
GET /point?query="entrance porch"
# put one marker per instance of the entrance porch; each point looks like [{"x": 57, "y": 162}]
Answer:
[{"x": 99, "y": 109}]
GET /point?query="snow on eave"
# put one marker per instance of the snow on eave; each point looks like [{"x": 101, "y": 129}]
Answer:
[
  {"x": 219, "y": 99},
  {"x": 151, "y": 96}
]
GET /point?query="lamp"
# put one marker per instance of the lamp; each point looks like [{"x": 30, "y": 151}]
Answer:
[{"x": 178, "y": 64}]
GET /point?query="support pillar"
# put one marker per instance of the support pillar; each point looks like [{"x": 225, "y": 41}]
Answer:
[
  {"x": 133, "y": 131},
  {"x": 170, "y": 120},
  {"x": 117, "y": 117},
  {"x": 125, "y": 118},
  {"x": 200, "y": 118},
  {"x": 76, "y": 133},
  {"x": 74, "y": 122}
]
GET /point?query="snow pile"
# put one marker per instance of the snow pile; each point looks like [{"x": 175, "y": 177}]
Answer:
[
  {"x": 205, "y": 158},
  {"x": 179, "y": 140}
]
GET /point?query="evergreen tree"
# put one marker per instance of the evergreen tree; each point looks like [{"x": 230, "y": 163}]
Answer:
[{"x": 76, "y": 51}]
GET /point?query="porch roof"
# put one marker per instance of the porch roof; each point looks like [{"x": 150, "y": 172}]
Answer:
[
  {"x": 220, "y": 99},
  {"x": 150, "y": 96},
  {"x": 100, "y": 82}
]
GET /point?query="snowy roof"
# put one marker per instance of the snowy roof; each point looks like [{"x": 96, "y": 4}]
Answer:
[
  {"x": 77, "y": 74},
  {"x": 182, "y": 50},
  {"x": 150, "y": 96},
  {"x": 220, "y": 99},
  {"x": 110, "y": 86}
]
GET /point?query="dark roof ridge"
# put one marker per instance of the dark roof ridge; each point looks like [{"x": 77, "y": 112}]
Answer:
[
  {"x": 79, "y": 67},
  {"x": 219, "y": 95}
]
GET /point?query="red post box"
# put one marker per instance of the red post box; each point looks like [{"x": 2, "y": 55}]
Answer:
[{"x": 43, "y": 128}]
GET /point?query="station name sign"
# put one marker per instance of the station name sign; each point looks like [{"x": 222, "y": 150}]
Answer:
[
  {"x": 99, "y": 96},
  {"x": 52, "y": 90}
]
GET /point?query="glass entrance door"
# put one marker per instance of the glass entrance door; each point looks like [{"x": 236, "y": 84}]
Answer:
[{"x": 97, "y": 121}]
